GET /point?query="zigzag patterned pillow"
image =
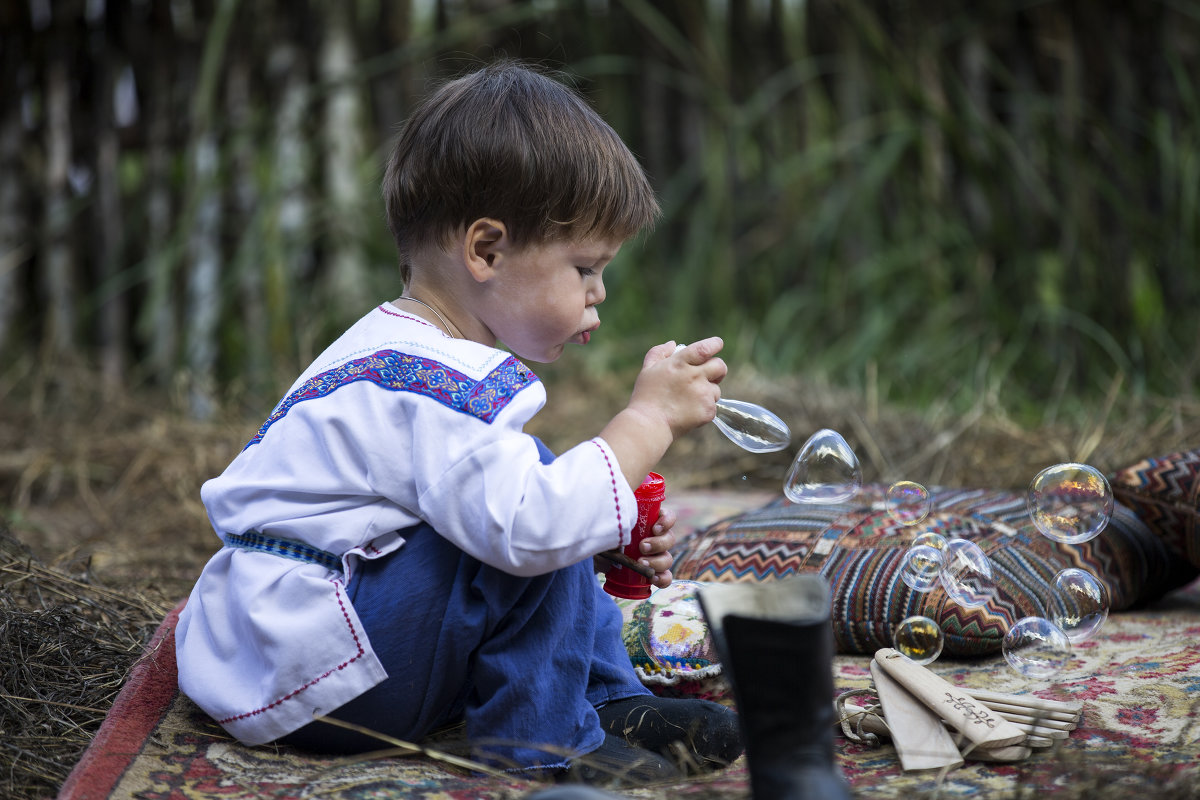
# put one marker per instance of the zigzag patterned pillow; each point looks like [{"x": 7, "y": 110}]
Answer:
[
  {"x": 859, "y": 548},
  {"x": 1165, "y": 494}
]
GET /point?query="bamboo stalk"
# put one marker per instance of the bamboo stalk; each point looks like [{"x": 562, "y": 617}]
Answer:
[
  {"x": 57, "y": 257},
  {"x": 156, "y": 327},
  {"x": 109, "y": 230}
]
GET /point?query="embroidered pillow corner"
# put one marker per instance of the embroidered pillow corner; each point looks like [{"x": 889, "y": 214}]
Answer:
[{"x": 668, "y": 641}]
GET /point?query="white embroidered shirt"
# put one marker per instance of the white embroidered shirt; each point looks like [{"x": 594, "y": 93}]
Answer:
[{"x": 394, "y": 424}]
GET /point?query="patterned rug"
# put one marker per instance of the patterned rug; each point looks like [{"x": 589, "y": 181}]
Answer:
[{"x": 1139, "y": 679}]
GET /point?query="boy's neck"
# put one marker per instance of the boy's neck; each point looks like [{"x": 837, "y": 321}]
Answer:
[
  {"x": 427, "y": 309},
  {"x": 441, "y": 284}
]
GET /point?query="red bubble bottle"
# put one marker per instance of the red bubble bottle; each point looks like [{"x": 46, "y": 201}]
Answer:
[{"x": 621, "y": 581}]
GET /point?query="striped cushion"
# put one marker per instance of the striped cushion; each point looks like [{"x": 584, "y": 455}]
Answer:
[
  {"x": 1165, "y": 494},
  {"x": 859, "y": 548}
]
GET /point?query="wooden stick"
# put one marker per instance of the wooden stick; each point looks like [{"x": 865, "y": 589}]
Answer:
[
  {"x": 966, "y": 715},
  {"x": 1034, "y": 737},
  {"x": 1033, "y": 719},
  {"x": 1032, "y": 713},
  {"x": 1038, "y": 741},
  {"x": 618, "y": 557},
  {"x": 1038, "y": 730},
  {"x": 1045, "y": 733},
  {"x": 1014, "y": 752},
  {"x": 873, "y": 723},
  {"x": 918, "y": 735},
  {"x": 1028, "y": 701}
]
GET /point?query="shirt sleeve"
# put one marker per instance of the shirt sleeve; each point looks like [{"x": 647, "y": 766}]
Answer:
[{"x": 500, "y": 504}]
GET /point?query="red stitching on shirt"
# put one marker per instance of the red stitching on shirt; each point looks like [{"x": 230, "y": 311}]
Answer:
[
  {"x": 616, "y": 496},
  {"x": 361, "y": 652},
  {"x": 413, "y": 317}
]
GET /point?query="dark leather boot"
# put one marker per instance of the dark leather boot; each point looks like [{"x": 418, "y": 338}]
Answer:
[{"x": 776, "y": 645}]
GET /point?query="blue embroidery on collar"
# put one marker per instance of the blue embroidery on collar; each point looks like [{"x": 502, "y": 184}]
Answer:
[{"x": 400, "y": 372}]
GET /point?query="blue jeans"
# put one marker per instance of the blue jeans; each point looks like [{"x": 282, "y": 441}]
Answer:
[{"x": 524, "y": 661}]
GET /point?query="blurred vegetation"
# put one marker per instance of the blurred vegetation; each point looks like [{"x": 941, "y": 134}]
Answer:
[{"x": 933, "y": 201}]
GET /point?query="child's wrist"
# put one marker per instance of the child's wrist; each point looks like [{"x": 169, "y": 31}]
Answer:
[
  {"x": 638, "y": 440},
  {"x": 651, "y": 427}
]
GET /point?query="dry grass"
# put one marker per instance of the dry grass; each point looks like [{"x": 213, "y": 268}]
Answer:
[
  {"x": 99, "y": 491},
  {"x": 67, "y": 644}
]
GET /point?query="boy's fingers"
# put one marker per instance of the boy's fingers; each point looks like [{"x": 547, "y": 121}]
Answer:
[
  {"x": 710, "y": 346},
  {"x": 699, "y": 352},
  {"x": 658, "y": 353},
  {"x": 658, "y": 544},
  {"x": 666, "y": 519},
  {"x": 715, "y": 369}
]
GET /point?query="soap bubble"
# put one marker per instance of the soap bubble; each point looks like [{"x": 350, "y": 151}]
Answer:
[
  {"x": 1036, "y": 648},
  {"x": 1070, "y": 503},
  {"x": 919, "y": 639},
  {"x": 1080, "y": 603},
  {"x": 921, "y": 566},
  {"x": 966, "y": 573},
  {"x": 934, "y": 540},
  {"x": 824, "y": 471},
  {"x": 907, "y": 502},
  {"x": 751, "y": 427}
]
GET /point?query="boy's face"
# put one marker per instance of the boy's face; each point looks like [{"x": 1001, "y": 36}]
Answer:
[{"x": 545, "y": 296}]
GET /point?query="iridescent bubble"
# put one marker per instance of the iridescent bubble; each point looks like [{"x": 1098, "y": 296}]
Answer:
[
  {"x": 934, "y": 540},
  {"x": 921, "y": 566},
  {"x": 1080, "y": 603},
  {"x": 966, "y": 573},
  {"x": 1070, "y": 503},
  {"x": 919, "y": 639},
  {"x": 824, "y": 471},
  {"x": 1036, "y": 648},
  {"x": 907, "y": 502}
]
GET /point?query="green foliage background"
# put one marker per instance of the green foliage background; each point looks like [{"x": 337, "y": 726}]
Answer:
[{"x": 940, "y": 200}]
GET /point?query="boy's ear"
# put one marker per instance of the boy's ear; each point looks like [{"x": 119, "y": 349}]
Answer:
[{"x": 485, "y": 244}]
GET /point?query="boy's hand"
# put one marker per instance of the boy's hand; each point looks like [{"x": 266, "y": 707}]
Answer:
[
  {"x": 656, "y": 548},
  {"x": 680, "y": 385},
  {"x": 674, "y": 393}
]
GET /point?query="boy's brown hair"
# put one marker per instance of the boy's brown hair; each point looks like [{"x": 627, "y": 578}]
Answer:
[{"x": 513, "y": 144}]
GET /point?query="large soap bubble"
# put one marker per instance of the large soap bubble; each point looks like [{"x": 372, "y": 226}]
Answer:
[
  {"x": 824, "y": 471},
  {"x": 966, "y": 574},
  {"x": 1080, "y": 604},
  {"x": 1070, "y": 503},
  {"x": 1036, "y": 648}
]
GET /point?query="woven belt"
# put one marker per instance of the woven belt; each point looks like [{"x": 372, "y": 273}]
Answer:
[{"x": 288, "y": 548}]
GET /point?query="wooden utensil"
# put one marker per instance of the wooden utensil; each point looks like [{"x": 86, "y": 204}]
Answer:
[{"x": 966, "y": 715}]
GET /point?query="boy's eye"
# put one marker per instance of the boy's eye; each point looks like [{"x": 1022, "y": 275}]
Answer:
[{"x": 586, "y": 271}]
